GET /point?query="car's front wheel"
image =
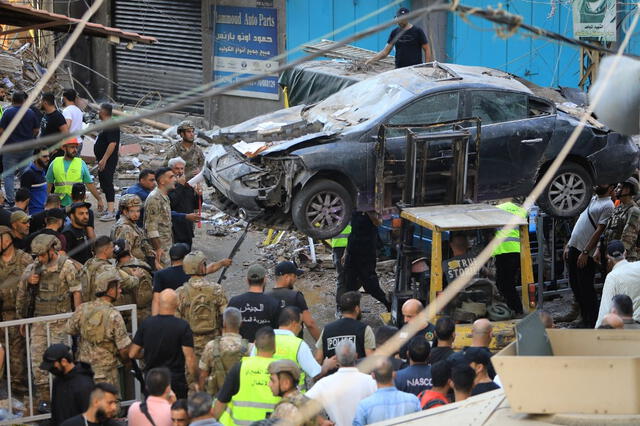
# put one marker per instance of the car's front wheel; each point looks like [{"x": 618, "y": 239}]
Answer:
[
  {"x": 569, "y": 192},
  {"x": 322, "y": 209}
]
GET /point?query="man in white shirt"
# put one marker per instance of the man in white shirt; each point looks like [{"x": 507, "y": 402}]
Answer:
[
  {"x": 341, "y": 406},
  {"x": 624, "y": 278},
  {"x": 71, "y": 112},
  {"x": 580, "y": 250}
]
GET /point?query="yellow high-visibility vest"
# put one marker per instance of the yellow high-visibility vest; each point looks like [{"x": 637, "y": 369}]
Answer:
[
  {"x": 511, "y": 244},
  {"x": 341, "y": 239},
  {"x": 64, "y": 180},
  {"x": 254, "y": 400},
  {"x": 287, "y": 347}
]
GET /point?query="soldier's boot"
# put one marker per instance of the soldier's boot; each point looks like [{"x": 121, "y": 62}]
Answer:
[{"x": 571, "y": 316}]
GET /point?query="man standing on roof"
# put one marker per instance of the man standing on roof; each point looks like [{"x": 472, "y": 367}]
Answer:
[
  {"x": 64, "y": 171},
  {"x": 409, "y": 42}
]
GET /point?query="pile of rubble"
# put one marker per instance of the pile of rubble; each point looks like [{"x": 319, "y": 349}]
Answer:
[{"x": 22, "y": 68}]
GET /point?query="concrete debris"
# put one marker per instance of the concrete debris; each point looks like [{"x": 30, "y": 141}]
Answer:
[{"x": 22, "y": 68}]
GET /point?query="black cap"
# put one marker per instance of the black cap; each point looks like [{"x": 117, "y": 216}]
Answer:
[
  {"x": 120, "y": 248},
  {"x": 57, "y": 213},
  {"x": 402, "y": 11},
  {"x": 284, "y": 268},
  {"x": 615, "y": 249},
  {"x": 77, "y": 205},
  {"x": 52, "y": 354},
  {"x": 178, "y": 251},
  {"x": 478, "y": 355}
]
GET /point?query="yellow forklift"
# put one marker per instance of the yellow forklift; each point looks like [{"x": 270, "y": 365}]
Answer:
[{"x": 428, "y": 220}]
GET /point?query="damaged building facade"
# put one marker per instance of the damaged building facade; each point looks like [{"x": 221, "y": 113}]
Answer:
[{"x": 200, "y": 41}]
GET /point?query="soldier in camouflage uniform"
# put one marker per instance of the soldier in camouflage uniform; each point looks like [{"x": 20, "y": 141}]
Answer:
[
  {"x": 157, "y": 216},
  {"x": 285, "y": 375},
  {"x": 200, "y": 302},
  {"x": 102, "y": 331},
  {"x": 187, "y": 150},
  {"x": 129, "y": 265},
  {"x": 103, "y": 248},
  {"x": 49, "y": 286},
  {"x": 624, "y": 223},
  {"x": 13, "y": 262},
  {"x": 223, "y": 352},
  {"x": 127, "y": 229}
]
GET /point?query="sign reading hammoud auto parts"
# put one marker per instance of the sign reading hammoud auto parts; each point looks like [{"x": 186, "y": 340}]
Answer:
[{"x": 594, "y": 19}]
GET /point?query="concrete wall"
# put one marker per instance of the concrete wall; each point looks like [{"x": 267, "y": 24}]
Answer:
[{"x": 226, "y": 110}]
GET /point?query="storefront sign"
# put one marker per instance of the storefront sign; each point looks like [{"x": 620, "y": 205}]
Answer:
[
  {"x": 245, "y": 39},
  {"x": 594, "y": 19}
]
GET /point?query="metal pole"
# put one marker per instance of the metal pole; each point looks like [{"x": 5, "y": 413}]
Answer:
[
  {"x": 553, "y": 250},
  {"x": 6, "y": 357},
  {"x": 134, "y": 328},
  {"x": 29, "y": 381},
  {"x": 540, "y": 238}
]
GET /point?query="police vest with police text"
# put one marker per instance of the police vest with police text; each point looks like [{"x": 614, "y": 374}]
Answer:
[{"x": 343, "y": 329}]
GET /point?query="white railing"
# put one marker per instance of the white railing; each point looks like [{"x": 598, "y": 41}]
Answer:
[{"x": 28, "y": 322}]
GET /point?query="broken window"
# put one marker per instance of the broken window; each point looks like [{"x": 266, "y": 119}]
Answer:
[{"x": 498, "y": 106}]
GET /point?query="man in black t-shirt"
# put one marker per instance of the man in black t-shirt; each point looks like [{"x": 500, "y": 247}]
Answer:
[
  {"x": 78, "y": 243},
  {"x": 171, "y": 277},
  {"x": 103, "y": 408},
  {"x": 286, "y": 275},
  {"x": 410, "y": 41},
  {"x": 167, "y": 342},
  {"x": 106, "y": 152},
  {"x": 52, "y": 121},
  {"x": 446, "y": 334},
  {"x": 258, "y": 309}
]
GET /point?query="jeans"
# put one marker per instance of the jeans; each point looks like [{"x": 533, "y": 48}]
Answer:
[
  {"x": 9, "y": 162},
  {"x": 581, "y": 281}
]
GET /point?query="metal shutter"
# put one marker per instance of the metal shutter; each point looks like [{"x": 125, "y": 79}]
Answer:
[{"x": 169, "y": 67}]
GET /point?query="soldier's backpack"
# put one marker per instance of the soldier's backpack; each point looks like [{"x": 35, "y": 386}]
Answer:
[
  {"x": 95, "y": 322},
  {"x": 222, "y": 363},
  {"x": 201, "y": 315}
]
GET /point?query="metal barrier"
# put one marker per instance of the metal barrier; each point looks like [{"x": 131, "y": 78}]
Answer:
[{"x": 48, "y": 319}]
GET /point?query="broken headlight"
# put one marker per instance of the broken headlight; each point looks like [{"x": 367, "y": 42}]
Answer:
[{"x": 258, "y": 180}]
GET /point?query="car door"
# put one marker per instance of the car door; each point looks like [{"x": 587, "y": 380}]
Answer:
[
  {"x": 430, "y": 109},
  {"x": 516, "y": 129}
]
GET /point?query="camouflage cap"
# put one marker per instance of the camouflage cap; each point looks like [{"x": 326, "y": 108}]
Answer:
[
  {"x": 5, "y": 230},
  {"x": 43, "y": 242},
  {"x": 129, "y": 200},
  {"x": 105, "y": 278},
  {"x": 192, "y": 261},
  {"x": 285, "y": 366},
  {"x": 184, "y": 125}
]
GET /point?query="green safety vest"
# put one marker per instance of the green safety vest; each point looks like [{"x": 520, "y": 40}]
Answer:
[
  {"x": 287, "y": 347},
  {"x": 64, "y": 180},
  {"x": 341, "y": 239},
  {"x": 511, "y": 243},
  {"x": 254, "y": 400}
]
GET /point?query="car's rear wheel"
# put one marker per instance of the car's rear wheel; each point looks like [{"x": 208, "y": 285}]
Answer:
[
  {"x": 322, "y": 209},
  {"x": 569, "y": 192}
]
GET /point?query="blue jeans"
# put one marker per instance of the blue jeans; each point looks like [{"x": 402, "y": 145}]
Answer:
[{"x": 10, "y": 162}]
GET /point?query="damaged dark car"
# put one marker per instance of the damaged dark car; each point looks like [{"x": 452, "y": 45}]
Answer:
[{"x": 310, "y": 167}]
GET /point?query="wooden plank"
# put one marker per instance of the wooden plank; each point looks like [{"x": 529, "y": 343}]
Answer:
[{"x": 459, "y": 217}]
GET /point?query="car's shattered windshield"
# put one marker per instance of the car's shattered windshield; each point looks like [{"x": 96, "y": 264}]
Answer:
[{"x": 370, "y": 98}]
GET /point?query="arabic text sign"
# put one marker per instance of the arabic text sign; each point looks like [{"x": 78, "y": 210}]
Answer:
[
  {"x": 594, "y": 19},
  {"x": 245, "y": 38}
]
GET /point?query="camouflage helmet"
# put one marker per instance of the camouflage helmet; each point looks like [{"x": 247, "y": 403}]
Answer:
[
  {"x": 5, "y": 230},
  {"x": 129, "y": 200},
  {"x": 184, "y": 125},
  {"x": 192, "y": 261},
  {"x": 285, "y": 366},
  {"x": 105, "y": 278},
  {"x": 43, "y": 242}
]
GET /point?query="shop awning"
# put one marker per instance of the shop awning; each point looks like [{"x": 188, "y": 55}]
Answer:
[{"x": 27, "y": 18}]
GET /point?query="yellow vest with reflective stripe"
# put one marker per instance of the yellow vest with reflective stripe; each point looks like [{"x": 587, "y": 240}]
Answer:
[
  {"x": 64, "y": 180},
  {"x": 287, "y": 348},
  {"x": 511, "y": 244},
  {"x": 341, "y": 239},
  {"x": 254, "y": 400}
]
